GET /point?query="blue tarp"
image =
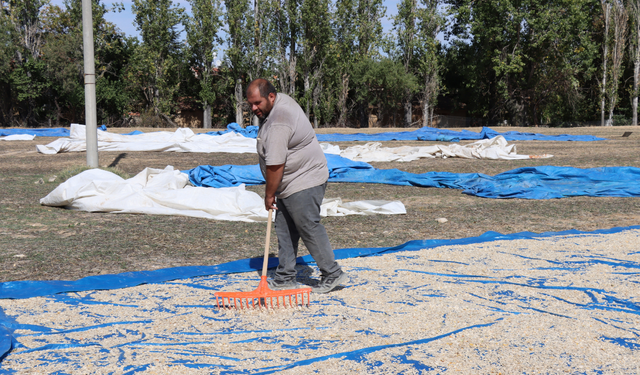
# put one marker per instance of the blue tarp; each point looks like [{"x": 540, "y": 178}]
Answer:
[
  {"x": 545, "y": 182},
  {"x": 249, "y": 131},
  {"x": 445, "y": 135},
  {"x": 41, "y": 132},
  {"x": 29, "y": 289},
  {"x": 422, "y": 134}
]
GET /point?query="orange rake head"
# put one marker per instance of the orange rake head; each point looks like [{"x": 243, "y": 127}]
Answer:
[{"x": 262, "y": 296}]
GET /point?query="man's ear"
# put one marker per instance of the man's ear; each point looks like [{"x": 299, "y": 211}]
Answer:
[{"x": 272, "y": 96}]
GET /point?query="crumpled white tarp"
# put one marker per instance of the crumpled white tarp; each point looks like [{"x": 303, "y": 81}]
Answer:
[
  {"x": 167, "y": 192},
  {"x": 182, "y": 140},
  {"x": 494, "y": 148},
  {"x": 185, "y": 140},
  {"x": 18, "y": 137}
]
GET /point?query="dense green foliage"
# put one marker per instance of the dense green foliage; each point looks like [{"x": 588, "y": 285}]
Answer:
[{"x": 521, "y": 62}]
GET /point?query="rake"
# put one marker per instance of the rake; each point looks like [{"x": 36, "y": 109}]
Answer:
[{"x": 262, "y": 296}]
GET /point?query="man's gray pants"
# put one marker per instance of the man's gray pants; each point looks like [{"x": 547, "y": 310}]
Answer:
[{"x": 298, "y": 217}]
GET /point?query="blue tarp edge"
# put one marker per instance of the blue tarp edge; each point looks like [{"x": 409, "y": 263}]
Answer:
[
  {"x": 28, "y": 289},
  {"x": 37, "y": 288}
]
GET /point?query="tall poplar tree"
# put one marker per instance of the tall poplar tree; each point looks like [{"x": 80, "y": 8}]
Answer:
[
  {"x": 634, "y": 49},
  {"x": 358, "y": 36},
  {"x": 368, "y": 40},
  {"x": 157, "y": 59},
  {"x": 345, "y": 36},
  {"x": 239, "y": 33},
  {"x": 606, "y": 14},
  {"x": 429, "y": 24},
  {"x": 620, "y": 18},
  {"x": 406, "y": 29},
  {"x": 286, "y": 32},
  {"x": 202, "y": 39},
  {"x": 315, "y": 43},
  {"x": 416, "y": 28}
]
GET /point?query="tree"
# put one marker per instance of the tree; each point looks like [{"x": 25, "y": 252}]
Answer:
[
  {"x": 8, "y": 39},
  {"x": 525, "y": 60},
  {"x": 634, "y": 11},
  {"x": 369, "y": 39},
  {"x": 417, "y": 46},
  {"x": 406, "y": 29},
  {"x": 63, "y": 57},
  {"x": 202, "y": 38},
  {"x": 316, "y": 39},
  {"x": 606, "y": 13},
  {"x": 26, "y": 76},
  {"x": 237, "y": 51},
  {"x": 286, "y": 27},
  {"x": 344, "y": 53},
  {"x": 620, "y": 18},
  {"x": 157, "y": 59},
  {"x": 381, "y": 81},
  {"x": 358, "y": 35},
  {"x": 428, "y": 66}
]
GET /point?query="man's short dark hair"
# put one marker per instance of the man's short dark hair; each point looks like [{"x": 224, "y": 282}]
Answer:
[{"x": 265, "y": 87}]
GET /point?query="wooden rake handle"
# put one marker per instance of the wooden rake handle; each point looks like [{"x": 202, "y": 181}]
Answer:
[{"x": 265, "y": 262}]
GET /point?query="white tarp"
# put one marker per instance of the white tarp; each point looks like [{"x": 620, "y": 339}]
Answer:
[
  {"x": 182, "y": 140},
  {"x": 167, "y": 192},
  {"x": 185, "y": 140},
  {"x": 494, "y": 148},
  {"x": 18, "y": 137}
]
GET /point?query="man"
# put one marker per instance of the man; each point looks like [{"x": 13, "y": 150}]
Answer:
[{"x": 296, "y": 174}]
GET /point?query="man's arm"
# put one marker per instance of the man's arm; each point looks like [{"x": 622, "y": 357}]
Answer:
[{"x": 274, "y": 177}]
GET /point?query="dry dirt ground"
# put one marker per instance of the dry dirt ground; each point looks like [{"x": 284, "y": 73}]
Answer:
[{"x": 45, "y": 243}]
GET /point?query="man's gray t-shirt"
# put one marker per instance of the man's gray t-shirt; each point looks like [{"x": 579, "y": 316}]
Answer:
[{"x": 287, "y": 137}]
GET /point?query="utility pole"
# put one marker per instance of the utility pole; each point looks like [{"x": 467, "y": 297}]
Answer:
[{"x": 89, "y": 85}]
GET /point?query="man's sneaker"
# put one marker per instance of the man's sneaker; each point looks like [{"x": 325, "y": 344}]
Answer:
[
  {"x": 329, "y": 283},
  {"x": 277, "y": 284}
]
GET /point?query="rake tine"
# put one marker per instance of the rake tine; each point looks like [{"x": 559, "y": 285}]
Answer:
[{"x": 263, "y": 297}]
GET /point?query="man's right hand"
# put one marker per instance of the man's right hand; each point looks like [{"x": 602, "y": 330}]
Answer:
[{"x": 270, "y": 203}]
